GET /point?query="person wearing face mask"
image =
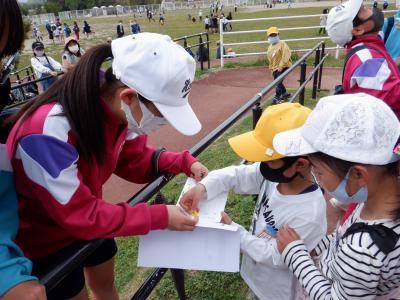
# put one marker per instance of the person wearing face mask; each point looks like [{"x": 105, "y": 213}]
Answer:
[
  {"x": 349, "y": 140},
  {"x": 391, "y": 35},
  {"x": 286, "y": 195},
  {"x": 279, "y": 59},
  {"x": 44, "y": 66},
  {"x": 368, "y": 66},
  {"x": 69, "y": 141},
  {"x": 72, "y": 53},
  {"x": 16, "y": 281}
]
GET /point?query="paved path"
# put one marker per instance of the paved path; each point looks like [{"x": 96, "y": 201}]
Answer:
[{"x": 213, "y": 98}]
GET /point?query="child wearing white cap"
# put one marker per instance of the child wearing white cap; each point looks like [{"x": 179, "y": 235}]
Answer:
[
  {"x": 86, "y": 127},
  {"x": 349, "y": 140}
]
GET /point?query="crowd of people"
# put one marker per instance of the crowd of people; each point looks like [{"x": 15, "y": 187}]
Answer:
[{"x": 64, "y": 145}]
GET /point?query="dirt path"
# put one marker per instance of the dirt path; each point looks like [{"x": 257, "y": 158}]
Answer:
[{"x": 213, "y": 98}]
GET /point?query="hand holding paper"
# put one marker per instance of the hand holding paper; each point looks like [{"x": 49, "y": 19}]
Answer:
[
  {"x": 179, "y": 220},
  {"x": 198, "y": 170},
  {"x": 190, "y": 199}
]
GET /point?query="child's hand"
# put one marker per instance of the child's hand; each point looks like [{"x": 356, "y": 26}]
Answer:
[
  {"x": 286, "y": 235},
  {"x": 199, "y": 171},
  {"x": 190, "y": 200},
  {"x": 179, "y": 220},
  {"x": 225, "y": 218}
]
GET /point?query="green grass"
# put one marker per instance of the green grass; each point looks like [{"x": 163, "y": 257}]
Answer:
[
  {"x": 198, "y": 285},
  {"x": 177, "y": 25}
]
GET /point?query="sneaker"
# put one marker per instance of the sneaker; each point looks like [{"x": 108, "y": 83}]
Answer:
[
  {"x": 276, "y": 100},
  {"x": 285, "y": 96}
]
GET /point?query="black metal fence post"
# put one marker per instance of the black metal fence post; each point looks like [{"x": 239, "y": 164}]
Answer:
[
  {"x": 178, "y": 275},
  {"x": 303, "y": 69},
  {"x": 201, "y": 51},
  {"x": 208, "y": 49},
  {"x": 315, "y": 79},
  {"x": 322, "y": 54},
  {"x": 257, "y": 112}
]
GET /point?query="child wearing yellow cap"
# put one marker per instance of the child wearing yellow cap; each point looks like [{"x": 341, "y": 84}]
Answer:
[
  {"x": 279, "y": 59},
  {"x": 286, "y": 192}
]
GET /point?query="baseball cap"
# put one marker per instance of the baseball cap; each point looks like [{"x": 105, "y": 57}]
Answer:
[
  {"x": 256, "y": 145},
  {"x": 272, "y": 30},
  {"x": 162, "y": 72},
  {"x": 339, "y": 23},
  {"x": 354, "y": 127},
  {"x": 69, "y": 39},
  {"x": 36, "y": 45}
]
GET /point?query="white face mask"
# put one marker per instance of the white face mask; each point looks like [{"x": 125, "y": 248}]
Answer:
[
  {"x": 149, "y": 121},
  {"x": 39, "y": 53},
  {"x": 73, "y": 49}
]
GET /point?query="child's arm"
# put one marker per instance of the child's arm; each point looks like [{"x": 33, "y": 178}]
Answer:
[
  {"x": 38, "y": 67},
  {"x": 286, "y": 56},
  {"x": 55, "y": 64},
  {"x": 357, "y": 272}
]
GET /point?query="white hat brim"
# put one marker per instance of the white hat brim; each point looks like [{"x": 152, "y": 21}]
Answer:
[
  {"x": 354, "y": 7},
  {"x": 182, "y": 118},
  {"x": 292, "y": 143}
]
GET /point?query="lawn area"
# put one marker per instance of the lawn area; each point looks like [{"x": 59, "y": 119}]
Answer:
[
  {"x": 199, "y": 285},
  {"x": 177, "y": 25}
]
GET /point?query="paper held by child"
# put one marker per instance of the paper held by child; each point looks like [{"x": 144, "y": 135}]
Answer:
[
  {"x": 209, "y": 212},
  {"x": 211, "y": 246}
]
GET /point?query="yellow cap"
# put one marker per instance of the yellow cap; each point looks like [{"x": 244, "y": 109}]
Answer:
[
  {"x": 272, "y": 30},
  {"x": 256, "y": 145}
]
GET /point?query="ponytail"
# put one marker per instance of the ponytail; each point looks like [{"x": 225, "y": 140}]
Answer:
[{"x": 78, "y": 92}]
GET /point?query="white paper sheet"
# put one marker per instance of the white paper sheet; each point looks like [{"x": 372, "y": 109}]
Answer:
[
  {"x": 209, "y": 209},
  {"x": 212, "y": 246},
  {"x": 205, "y": 249}
]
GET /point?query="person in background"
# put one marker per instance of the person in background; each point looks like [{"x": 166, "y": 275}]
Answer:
[
  {"x": 200, "y": 15},
  {"x": 120, "y": 30},
  {"x": 72, "y": 53},
  {"x": 44, "y": 65},
  {"x": 57, "y": 35},
  {"x": 162, "y": 19},
  {"x": 322, "y": 21},
  {"x": 229, "y": 18},
  {"x": 16, "y": 281},
  {"x": 391, "y": 35},
  {"x": 109, "y": 40},
  {"x": 67, "y": 31},
  {"x": 86, "y": 29},
  {"x": 207, "y": 24},
  {"x": 75, "y": 29},
  {"x": 286, "y": 195},
  {"x": 279, "y": 59},
  {"x": 74, "y": 139},
  {"x": 49, "y": 31},
  {"x": 368, "y": 68},
  {"x": 135, "y": 27}
]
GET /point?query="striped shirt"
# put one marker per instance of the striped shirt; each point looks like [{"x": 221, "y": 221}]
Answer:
[{"x": 352, "y": 267}]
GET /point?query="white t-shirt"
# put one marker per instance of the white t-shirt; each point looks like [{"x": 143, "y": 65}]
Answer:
[{"x": 263, "y": 268}]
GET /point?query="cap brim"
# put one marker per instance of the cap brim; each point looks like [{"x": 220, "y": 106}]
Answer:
[
  {"x": 292, "y": 143},
  {"x": 182, "y": 118},
  {"x": 354, "y": 6},
  {"x": 249, "y": 148}
]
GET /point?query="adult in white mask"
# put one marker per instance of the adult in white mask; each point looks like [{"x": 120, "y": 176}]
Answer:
[
  {"x": 72, "y": 53},
  {"x": 71, "y": 139}
]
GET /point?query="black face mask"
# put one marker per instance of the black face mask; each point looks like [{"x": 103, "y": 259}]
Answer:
[
  {"x": 377, "y": 17},
  {"x": 276, "y": 175}
]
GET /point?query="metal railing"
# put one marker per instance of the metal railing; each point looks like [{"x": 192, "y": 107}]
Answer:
[
  {"x": 199, "y": 45},
  {"x": 222, "y": 33},
  {"x": 56, "y": 274}
]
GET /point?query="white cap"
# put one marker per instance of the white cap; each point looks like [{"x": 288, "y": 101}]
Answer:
[
  {"x": 339, "y": 23},
  {"x": 354, "y": 127},
  {"x": 162, "y": 72}
]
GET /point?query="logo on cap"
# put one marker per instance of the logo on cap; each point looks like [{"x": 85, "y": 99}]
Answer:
[{"x": 186, "y": 88}]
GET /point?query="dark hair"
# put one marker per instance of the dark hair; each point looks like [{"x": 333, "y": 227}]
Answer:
[
  {"x": 341, "y": 167},
  {"x": 78, "y": 54},
  {"x": 79, "y": 95},
  {"x": 11, "y": 18}
]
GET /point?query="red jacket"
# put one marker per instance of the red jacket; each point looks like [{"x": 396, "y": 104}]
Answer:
[
  {"x": 373, "y": 71},
  {"x": 60, "y": 194}
]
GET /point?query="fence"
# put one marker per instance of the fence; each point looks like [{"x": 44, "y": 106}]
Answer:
[
  {"x": 56, "y": 273},
  {"x": 202, "y": 54}
]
